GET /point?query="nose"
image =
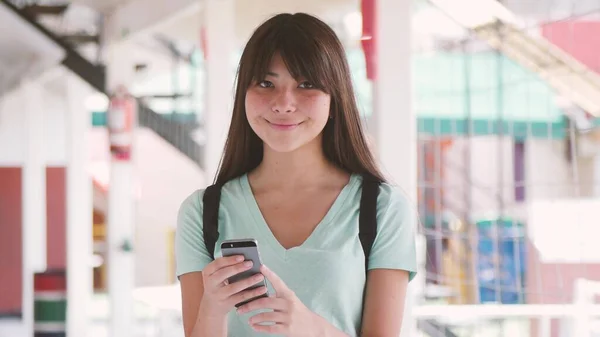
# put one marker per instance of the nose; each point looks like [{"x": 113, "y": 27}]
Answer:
[{"x": 284, "y": 101}]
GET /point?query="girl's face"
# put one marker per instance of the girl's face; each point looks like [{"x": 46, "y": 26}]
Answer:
[{"x": 286, "y": 113}]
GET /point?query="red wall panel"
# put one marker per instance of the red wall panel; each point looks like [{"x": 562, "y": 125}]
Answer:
[
  {"x": 56, "y": 198},
  {"x": 581, "y": 39},
  {"x": 11, "y": 257}
]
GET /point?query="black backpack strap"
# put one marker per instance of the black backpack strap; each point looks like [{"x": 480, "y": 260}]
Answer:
[
  {"x": 367, "y": 220},
  {"x": 210, "y": 217}
]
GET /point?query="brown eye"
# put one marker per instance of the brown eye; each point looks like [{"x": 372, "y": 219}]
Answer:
[
  {"x": 265, "y": 84},
  {"x": 306, "y": 85}
]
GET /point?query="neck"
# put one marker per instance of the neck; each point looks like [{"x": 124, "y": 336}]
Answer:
[{"x": 303, "y": 167}]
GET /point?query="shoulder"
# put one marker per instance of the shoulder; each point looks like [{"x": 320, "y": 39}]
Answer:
[
  {"x": 395, "y": 211},
  {"x": 393, "y": 197},
  {"x": 190, "y": 250},
  {"x": 192, "y": 207},
  {"x": 390, "y": 199},
  {"x": 189, "y": 217},
  {"x": 395, "y": 246},
  {"x": 394, "y": 207},
  {"x": 192, "y": 204}
]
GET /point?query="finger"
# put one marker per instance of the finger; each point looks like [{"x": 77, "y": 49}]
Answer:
[
  {"x": 247, "y": 295},
  {"x": 278, "y": 284},
  {"x": 244, "y": 284},
  {"x": 277, "y": 328},
  {"x": 223, "y": 274},
  {"x": 275, "y": 303},
  {"x": 273, "y": 316},
  {"x": 222, "y": 262}
]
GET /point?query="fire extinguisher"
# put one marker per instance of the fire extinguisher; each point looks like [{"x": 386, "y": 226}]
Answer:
[{"x": 121, "y": 121}]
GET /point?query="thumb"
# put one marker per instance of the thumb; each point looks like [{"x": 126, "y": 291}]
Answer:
[{"x": 280, "y": 287}]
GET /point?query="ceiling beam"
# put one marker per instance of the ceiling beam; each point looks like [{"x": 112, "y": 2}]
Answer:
[{"x": 36, "y": 10}]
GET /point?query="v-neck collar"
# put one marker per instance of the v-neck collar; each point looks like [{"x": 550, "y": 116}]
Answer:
[{"x": 265, "y": 230}]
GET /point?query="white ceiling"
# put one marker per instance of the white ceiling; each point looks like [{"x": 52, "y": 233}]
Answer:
[
  {"x": 185, "y": 30},
  {"x": 552, "y": 10},
  {"x": 250, "y": 13},
  {"x": 84, "y": 16},
  {"x": 542, "y": 9},
  {"x": 102, "y": 6}
]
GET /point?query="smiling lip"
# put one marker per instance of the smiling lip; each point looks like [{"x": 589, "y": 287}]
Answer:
[{"x": 281, "y": 126}]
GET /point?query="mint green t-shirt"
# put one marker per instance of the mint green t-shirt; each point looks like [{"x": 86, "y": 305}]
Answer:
[{"x": 327, "y": 271}]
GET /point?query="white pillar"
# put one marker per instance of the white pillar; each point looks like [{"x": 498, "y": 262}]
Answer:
[
  {"x": 219, "y": 21},
  {"x": 34, "y": 194},
  {"x": 596, "y": 175},
  {"x": 121, "y": 262},
  {"x": 121, "y": 214},
  {"x": 393, "y": 123},
  {"x": 79, "y": 208}
]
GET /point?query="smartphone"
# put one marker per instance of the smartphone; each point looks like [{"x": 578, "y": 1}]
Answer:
[{"x": 249, "y": 249}]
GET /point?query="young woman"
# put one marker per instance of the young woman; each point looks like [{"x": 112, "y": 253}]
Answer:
[{"x": 291, "y": 176}]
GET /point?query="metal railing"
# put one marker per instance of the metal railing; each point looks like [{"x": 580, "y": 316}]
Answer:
[{"x": 177, "y": 134}]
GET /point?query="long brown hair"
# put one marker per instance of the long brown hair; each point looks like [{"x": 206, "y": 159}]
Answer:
[{"x": 309, "y": 49}]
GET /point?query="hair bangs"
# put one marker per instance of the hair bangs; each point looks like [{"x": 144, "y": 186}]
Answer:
[
  {"x": 301, "y": 53},
  {"x": 262, "y": 60},
  {"x": 303, "y": 59}
]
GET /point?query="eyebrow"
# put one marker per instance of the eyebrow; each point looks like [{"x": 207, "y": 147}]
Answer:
[{"x": 270, "y": 73}]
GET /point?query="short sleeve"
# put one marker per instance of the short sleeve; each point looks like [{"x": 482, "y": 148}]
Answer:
[
  {"x": 190, "y": 251},
  {"x": 395, "y": 244}
]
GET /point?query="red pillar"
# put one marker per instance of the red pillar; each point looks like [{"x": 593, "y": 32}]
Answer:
[
  {"x": 369, "y": 36},
  {"x": 11, "y": 247}
]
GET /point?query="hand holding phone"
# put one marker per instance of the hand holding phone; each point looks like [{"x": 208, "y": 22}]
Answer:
[
  {"x": 220, "y": 296},
  {"x": 249, "y": 249}
]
